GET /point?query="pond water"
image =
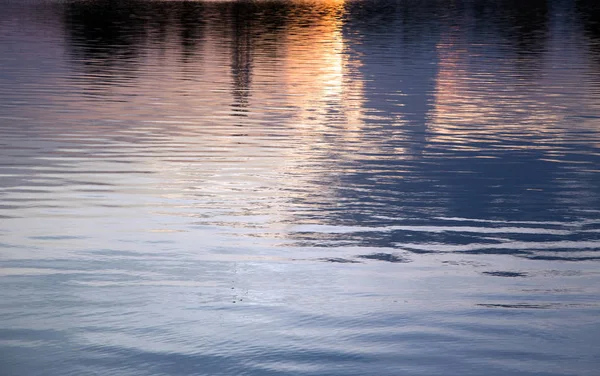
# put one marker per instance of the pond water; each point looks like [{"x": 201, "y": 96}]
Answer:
[{"x": 300, "y": 187}]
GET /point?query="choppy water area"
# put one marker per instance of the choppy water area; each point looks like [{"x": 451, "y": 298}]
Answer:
[{"x": 293, "y": 187}]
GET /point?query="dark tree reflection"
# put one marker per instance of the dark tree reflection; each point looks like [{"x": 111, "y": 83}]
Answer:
[
  {"x": 589, "y": 14},
  {"x": 434, "y": 93}
]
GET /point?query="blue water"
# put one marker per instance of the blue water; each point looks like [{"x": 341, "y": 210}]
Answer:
[{"x": 300, "y": 187}]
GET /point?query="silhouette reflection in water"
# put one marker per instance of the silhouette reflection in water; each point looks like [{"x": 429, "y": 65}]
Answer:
[
  {"x": 381, "y": 187},
  {"x": 408, "y": 107}
]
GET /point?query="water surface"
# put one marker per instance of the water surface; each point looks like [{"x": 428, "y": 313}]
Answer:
[{"x": 296, "y": 187}]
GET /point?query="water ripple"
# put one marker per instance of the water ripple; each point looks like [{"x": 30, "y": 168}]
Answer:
[{"x": 303, "y": 187}]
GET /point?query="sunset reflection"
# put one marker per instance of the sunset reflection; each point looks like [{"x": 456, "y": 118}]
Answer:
[
  {"x": 239, "y": 115},
  {"x": 299, "y": 187},
  {"x": 320, "y": 78}
]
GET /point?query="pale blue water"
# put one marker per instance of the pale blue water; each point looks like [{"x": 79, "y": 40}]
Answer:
[{"x": 320, "y": 187}]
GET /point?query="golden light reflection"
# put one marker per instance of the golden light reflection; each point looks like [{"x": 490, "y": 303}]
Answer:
[
  {"x": 253, "y": 113},
  {"x": 314, "y": 80},
  {"x": 316, "y": 72}
]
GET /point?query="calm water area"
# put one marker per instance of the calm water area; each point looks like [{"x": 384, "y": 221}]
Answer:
[{"x": 300, "y": 187}]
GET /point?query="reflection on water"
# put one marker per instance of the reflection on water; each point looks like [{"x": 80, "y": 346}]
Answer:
[{"x": 320, "y": 187}]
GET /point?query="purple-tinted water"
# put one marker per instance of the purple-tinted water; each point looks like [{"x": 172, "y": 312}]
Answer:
[{"x": 320, "y": 187}]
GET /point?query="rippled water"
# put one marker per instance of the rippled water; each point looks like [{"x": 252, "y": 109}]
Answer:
[{"x": 320, "y": 187}]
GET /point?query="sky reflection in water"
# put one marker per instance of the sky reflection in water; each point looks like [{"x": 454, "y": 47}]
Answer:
[{"x": 299, "y": 187}]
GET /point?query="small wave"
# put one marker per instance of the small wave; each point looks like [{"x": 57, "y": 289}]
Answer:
[
  {"x": 505, "y": 274},
  {"x": 389, "y": 257}
]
